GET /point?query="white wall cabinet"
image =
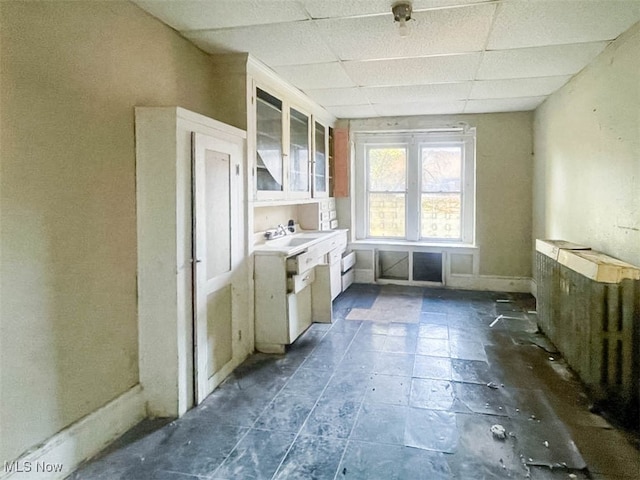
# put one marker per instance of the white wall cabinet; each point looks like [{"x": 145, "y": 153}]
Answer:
[
  {"x": 287, "y": 132},
  {"x": 291, "y": 161}
]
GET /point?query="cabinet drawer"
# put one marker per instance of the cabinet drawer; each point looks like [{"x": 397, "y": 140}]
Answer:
[
  {"x": 340, "y": 241},
  {"x": 334, "y": 256},
  {"x": 333, "y": 215},
  {"x": 303, "y": 262},
  {"x": 295, "y": 283},
  {"x": 348, "y": 261},
  {"x": 332, "y": 203},
  {"x": 334, "y": 223},
  {"x": 325, "y": 225},
  {"x": 347, "y": 279},
  {"x": 324, "y": 204},
  {"x": 324, "y": 216}
]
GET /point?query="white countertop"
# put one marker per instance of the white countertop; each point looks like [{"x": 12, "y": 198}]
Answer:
[{"x": 294, "y": 243}]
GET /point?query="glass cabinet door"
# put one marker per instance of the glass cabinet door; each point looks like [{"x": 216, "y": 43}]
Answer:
[
  {"x": 320, "y": 161},
  {"x": 299, "y": 152},
  {"x": 269, "y": 159}
]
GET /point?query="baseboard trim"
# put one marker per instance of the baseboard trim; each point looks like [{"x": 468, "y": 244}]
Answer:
[
  {"x": 58, "y": 456},
  {"x": 534, "y": 288},
  {"x": 490, "y": 283}
]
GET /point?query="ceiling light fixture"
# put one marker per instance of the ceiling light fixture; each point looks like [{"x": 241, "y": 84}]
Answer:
[{"x": 402, "y": 14}]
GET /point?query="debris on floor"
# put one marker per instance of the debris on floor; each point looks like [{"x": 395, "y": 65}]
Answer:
[
  {"x": 498, "y": 318},
  {"x": 498, "y": 432},
  {"x": 406, "y": 420}
]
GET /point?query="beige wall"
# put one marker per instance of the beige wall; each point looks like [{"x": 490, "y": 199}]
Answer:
[
  {"x": 503, "y": 183},
  {"x": 71, "y": 74},
  {"x": 587, "y": 155},
  {"x": 504, "y": 167}
]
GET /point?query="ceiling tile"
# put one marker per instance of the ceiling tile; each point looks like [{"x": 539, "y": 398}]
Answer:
[
  {"x": 337, "y": 8},
  {"x": 538, "y": 61},
  {"x": 549, "y": 22},
  {"x": 207, "y": 14},
  {"x": 338, "y": 96},
  {"x": 413, "y": 71},
  {"x": 430, "y": 33},
  {"x": 418, "y": 93},
  {"x": 352, "y": 111},
  {"x": 419, "y": 108},
  {"x": 504, "y": 105},
  {"x": 316, "y": 76},
  {"x": 519, "y": 87},
  {"x": 273, "y": 44}
]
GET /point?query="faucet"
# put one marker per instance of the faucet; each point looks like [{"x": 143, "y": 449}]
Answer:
[{"x": 279, "y": 231}]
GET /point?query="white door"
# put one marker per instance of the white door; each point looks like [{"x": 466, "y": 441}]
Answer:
[{"x": 218, "y": 249}]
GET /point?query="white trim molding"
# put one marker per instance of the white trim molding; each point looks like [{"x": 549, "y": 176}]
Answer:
[
  {"x": 491, "y": 283},
  {"x": 59, "y": 456}
]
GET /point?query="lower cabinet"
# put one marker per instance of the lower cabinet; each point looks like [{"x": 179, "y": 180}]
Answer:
[{"x": 293, "y": 291}]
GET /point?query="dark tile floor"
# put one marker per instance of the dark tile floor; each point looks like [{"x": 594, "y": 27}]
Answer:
[{"x": 405, "y": 384}]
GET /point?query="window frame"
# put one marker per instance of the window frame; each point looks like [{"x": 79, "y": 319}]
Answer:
[{"x": 413, "y": 141}]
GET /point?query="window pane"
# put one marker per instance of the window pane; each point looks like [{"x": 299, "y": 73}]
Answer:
[
  {"x": 386, "y": 214},
  {"x": 321, "y": 163},
  {"x": 299, "y": 152},
  {"x": 441, "y": 169},
  {"x": 387, "y": 169},
  {"x": 441, "y": 215}
]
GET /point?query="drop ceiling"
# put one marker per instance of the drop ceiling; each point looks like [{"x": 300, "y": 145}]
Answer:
[{"x": 461, "y": 56}]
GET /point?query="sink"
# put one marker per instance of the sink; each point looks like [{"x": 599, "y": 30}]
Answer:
[{"x": 294, "y": 241}]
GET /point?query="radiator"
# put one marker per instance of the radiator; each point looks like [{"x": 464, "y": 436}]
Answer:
[{"x": 589, "y": 307}]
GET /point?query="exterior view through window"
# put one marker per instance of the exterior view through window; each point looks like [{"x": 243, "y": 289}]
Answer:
[
  {"x": 387, "y": 191},
  {"x": 441, "y": 195},
  {"x": 417, "y": 186}
]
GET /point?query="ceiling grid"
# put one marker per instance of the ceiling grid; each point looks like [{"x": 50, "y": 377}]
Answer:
[{"x": 461, "y": 56}]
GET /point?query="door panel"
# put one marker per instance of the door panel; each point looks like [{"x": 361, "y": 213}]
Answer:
[
  {"x": 218, "y": 206},
  {"x": 218, "y": 248},
  {"x": 219, "y": 329}
]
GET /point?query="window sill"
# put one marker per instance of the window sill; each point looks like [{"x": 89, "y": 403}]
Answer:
[{"x": 386, "y": 242}]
